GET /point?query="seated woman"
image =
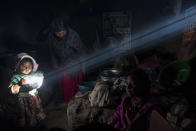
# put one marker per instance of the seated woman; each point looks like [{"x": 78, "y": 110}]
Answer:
[{"x": 133, "y": 114}]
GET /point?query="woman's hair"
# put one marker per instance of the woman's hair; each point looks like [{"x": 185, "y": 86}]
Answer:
[
  {"x": 24, "y": 61},
  {"x": 142, "y": 83}
]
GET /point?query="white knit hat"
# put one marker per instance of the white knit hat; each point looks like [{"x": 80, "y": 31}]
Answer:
[{"x": 23, "y": 55}]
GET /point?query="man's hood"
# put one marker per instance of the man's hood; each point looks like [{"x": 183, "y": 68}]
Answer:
[{"x": 57, "y": 25}]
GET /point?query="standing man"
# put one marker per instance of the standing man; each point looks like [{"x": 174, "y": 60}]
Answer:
[{"x": 65, "y": 46}]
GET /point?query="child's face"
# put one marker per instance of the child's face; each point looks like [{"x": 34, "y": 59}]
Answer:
[
  {"x": 26, "y": 68},
  {"x": 130, "y": 87}
]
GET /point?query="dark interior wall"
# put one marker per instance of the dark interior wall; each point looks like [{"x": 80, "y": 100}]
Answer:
[
  {"x": 21, "y": 21},
  {"x": 87, "y": 28}
]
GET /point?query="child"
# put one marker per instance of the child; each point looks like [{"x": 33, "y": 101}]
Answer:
[{"x": 24, "y": 84}]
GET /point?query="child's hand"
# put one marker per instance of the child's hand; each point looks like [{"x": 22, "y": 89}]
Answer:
[
  {"x": 32, "y": 92},
  {"x": 15, "y": 88},
  {"x": 23, "y": 81}
]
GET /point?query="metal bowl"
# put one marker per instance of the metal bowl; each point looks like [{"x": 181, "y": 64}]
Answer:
[{"x": 109, "y": 75}]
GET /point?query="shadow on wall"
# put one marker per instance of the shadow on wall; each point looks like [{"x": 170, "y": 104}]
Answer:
[{"x": 16, "y": 44}]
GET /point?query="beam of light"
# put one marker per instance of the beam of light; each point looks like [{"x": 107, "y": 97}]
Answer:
[{"x": 139, "y": 41}]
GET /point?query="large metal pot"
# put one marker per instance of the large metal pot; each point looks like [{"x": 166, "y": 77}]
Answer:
[{"x": 109, "y": 75}]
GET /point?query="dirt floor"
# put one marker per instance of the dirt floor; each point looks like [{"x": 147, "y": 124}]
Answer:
[{"x": 56, "y": 116}]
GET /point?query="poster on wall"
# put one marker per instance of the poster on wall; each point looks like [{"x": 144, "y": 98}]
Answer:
[{"x": 117, "y": 26}]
